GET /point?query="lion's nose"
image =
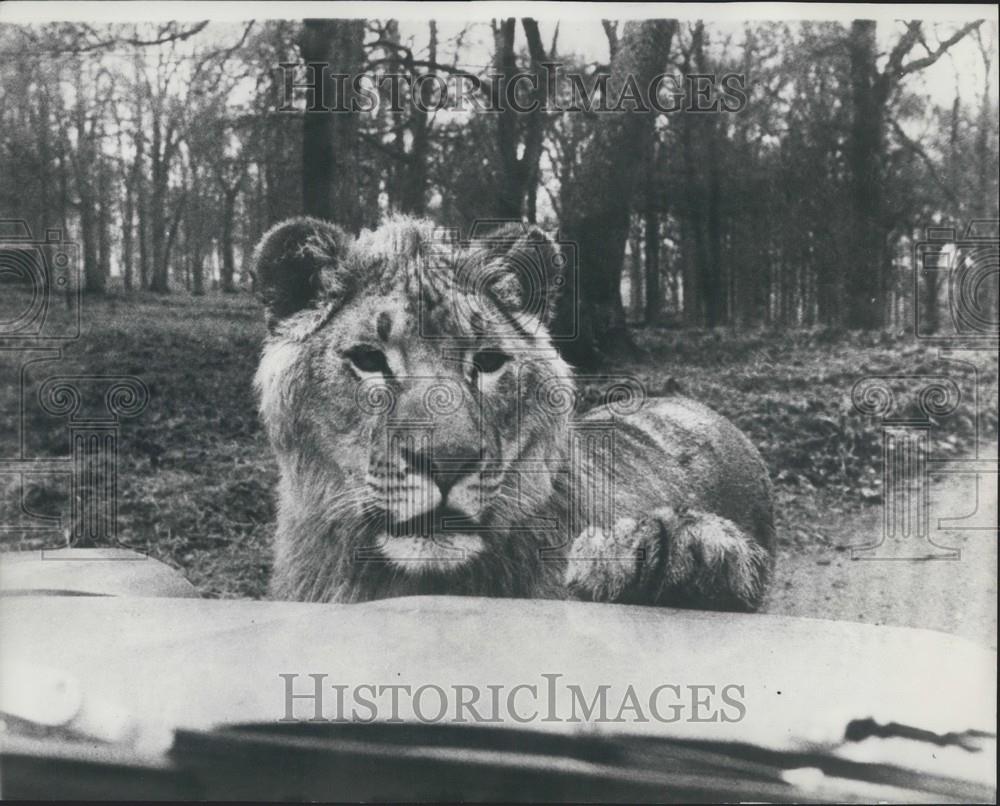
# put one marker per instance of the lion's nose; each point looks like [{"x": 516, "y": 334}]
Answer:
[{"x": 446, "y": 465}]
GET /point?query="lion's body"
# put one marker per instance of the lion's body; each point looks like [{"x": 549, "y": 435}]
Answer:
[
  {"x": 428, "y": 441},
  {"x": 677, "y": 452}
]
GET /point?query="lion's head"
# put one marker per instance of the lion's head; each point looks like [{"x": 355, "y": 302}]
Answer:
[{"x": 406, "y": 388}]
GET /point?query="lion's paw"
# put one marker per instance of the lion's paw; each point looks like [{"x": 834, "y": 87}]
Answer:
[
  {"x": 614, "y": 567},
  {"x": 672, "y": 557},
  {"x": 712, "y": 563}
]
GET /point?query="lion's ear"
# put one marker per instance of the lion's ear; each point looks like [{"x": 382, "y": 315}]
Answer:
[
  {"x": 290, "y": 262},
  {"x": 526, "y": 269}
]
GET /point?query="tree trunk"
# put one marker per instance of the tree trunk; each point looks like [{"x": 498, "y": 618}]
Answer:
[
  {"x": 128, "y": 218},
  {"x": 519, "y": 131},
  {"x": 198, "y": 274},
  {"x": 635, "y": 284},
  {"x": 509, "y": 187},
  {"x": 654, "y": 294},
  {"x": 228, "y": 256},
  {"x": 689, "y": 270},
  {"x": 159, "y": 282},
  {"x": 865, "y": 287},
  {"x": 985, "y": 205},
  {"x": 694, "y": 246},
  {"x": 43, "y": 128},
  {"x": 715, "y": 285},
  {"x": 142, "y": 232},
  {"x": 173, "y": 227},
  {"x": 651, "y": 234},
  {"x": 413, "y": 193},
  {"x": 701, "y": 170},
  {"x": 138, "y": 179},
  {"x": 93, "y": 277},
  {"x": 142, "y": 214},
  {"x": 318, "y": 158},
  {"x": 330, "y": 174},
  {"x": 104, "y": 203},
  {"x": 596, "y": 217}
]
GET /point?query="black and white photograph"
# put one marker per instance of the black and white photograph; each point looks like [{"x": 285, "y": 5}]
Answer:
[{"x": 499, "y": 402}]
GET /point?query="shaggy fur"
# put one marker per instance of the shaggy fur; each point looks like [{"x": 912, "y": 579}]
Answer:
[{"x": 428, "y": 439}]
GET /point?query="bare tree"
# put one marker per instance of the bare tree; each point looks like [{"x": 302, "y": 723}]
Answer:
[
  {"x": 871, "y": 92},
  {"x": 330, "y": 141},
  {"x": 520, "y": 134},
  {"x": 596, "y": 210}
]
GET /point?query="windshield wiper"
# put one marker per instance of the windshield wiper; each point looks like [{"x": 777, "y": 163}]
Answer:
[{"x": 860, "y": 729}]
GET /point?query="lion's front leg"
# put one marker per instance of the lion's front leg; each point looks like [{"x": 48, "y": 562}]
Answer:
[{"x": 677, "y": 558}]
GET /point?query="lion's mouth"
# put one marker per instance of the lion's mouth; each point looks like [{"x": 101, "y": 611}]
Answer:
[
  {"x": 442, "y": 521},
  {"x": 438, "y": 540}
]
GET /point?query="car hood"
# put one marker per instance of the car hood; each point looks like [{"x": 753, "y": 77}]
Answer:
[{"x": 171, "y": 663}]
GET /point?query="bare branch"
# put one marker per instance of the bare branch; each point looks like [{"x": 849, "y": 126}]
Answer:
[
  {"x": 927, "y": 61},
  {"x": 611, "y": 31},
  {"x": 899, "y": 52},
  {"x": 477, "y": 82},
  {"x": 53, "y": 47},
  {"x": 535, "y": 46}
]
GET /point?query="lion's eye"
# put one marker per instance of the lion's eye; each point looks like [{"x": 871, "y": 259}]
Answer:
[
  {"x": 490, "y": 360},
  {"x": 368, "y": 359}
]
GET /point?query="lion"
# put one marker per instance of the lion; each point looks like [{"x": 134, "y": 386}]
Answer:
[{"x": 430, "y": 439}]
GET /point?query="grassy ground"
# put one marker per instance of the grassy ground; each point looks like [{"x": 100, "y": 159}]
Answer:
[
  {"x": 195, "y": 473},
  {"x": 196, "y": 476}
]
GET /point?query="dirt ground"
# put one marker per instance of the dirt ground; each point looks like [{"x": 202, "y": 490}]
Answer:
[{"x": 957, "y": 595}]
